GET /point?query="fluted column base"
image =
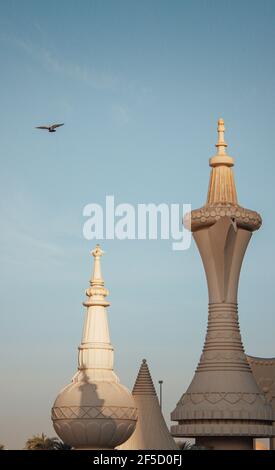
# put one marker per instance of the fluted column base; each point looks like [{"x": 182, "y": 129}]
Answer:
[
  {"x": 223, "y": 398},
  {"x": 223, "y": 349}
]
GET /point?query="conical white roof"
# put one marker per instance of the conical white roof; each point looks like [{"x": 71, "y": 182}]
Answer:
[{"x": 151, "y": 432}]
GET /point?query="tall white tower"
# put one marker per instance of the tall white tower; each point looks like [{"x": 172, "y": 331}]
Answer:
[
  {"x": 223, "y": 407},
  {"x": 95, "y": 411}
]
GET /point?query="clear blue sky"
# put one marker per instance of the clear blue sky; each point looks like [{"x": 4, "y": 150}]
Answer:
[{"x": 140, "y": 86}]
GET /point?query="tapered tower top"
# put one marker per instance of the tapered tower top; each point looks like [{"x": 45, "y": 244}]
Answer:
[
  {"x": 144, "y": 384},
  {"x": 97, "y": 253},
  {"x": 222, "y": 185},
  {"x": 151, "y": 431},
  {"x": 97, "y": 292},
  {"x": 221, "y": 144},
  {"x": 222, "y": 195}
]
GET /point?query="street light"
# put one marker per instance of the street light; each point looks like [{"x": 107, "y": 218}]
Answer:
[{"x": 160, "y": 393}]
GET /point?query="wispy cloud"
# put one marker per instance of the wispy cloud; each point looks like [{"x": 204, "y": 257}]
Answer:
[
  {"x": 23, "y": 239},
  {"x": 120, "y": 115},
  {"x": 51, "y": 62}
]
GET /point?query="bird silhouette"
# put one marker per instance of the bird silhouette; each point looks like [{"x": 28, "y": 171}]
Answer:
[{"x": 51, "y": 128}]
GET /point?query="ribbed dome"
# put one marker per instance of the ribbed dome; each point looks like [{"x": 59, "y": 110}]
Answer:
[{"x": 144, "y": 383}]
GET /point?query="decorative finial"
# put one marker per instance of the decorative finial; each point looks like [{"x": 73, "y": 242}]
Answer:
[
  {"x": 144, "y": 361},
  {"x": 222, "y": 195},
  {"x": 97, "y": 251},
  {"x": 97, "y": 292},
  {"x": 221, "y": 144},
  {"x": 221, "y": 158}
]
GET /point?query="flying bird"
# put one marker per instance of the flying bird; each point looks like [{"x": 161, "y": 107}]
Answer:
[{"x": 51, "y": 128}]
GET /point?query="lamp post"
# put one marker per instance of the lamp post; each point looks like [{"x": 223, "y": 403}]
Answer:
[{"x": 160, "y": 393}]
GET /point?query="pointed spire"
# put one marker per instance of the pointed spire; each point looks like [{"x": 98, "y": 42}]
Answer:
[
  {"x": 221, "y": 144},
  {"x": 96, "y": 350},
  {"x": 97, "y": 277},
  {"x": 221, "y": 157},
  {"x": 144, "y": 383},
  {"x": 222, "y": 188}
]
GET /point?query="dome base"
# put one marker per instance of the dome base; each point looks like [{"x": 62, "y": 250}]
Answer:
[{"x": 99, "y": 415}]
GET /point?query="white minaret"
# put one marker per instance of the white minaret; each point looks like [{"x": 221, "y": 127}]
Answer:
[{"x": 95, "y": 411}]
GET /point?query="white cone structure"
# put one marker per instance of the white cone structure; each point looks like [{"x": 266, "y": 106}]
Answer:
[
  {"x": 95, "y": 411},
  {"x": 223, "y": 406},
  {"x": 151, "y": 432}
]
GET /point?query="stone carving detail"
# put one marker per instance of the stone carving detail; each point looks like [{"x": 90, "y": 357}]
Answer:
[
  {"x": 228, "y": 427},
  {"x": 211, "y": 356},
  {"x": 223, "y": 316},
  {"x": 223, "y": 335},
  {"x": 93, "y": 412},
  {"x": 266, "y": 384},
  {"x": 264, "y": 372},
  {"x": 216, "y": 397},
  {"x": 210, "y": 213},
  {"x": 261, "y": 361}
]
